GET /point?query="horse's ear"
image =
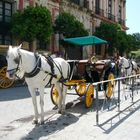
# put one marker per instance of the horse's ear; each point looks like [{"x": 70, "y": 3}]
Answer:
[
  {"x": 10, "y": 47},
  {"x": 19, "y": 47}
]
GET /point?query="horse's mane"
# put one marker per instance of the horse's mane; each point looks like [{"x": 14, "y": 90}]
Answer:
[{"x": 15, "y": 50}]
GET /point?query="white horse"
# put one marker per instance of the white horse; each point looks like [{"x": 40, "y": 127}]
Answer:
[
  {"x": 38, "y": 71},
  {"x": 128, "y": 67}
]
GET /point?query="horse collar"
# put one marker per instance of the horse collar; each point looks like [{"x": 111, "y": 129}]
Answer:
[{"x": 36, "y": 69}]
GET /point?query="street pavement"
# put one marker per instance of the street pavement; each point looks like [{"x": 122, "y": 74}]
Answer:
[{"x": 79, "y": 123}]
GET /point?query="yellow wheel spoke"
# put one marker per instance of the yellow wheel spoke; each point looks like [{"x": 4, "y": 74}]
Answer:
[
  {"x": 89, "y": 96},
  {"x": 111, "y": 85},
  {"x": 5, "y": 82}
]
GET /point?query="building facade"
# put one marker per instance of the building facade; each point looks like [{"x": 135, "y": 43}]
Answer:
[
  {"x": 53, "y": 6},
  {"x": 90, "y": 12}
]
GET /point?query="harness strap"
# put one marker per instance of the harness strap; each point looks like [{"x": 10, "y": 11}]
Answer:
[
  {"x": 132, "y": 66},
  {"x": 36, "y": 69},
  {"x": 17, "y": 61},
  {"x": 61, "y": 79},
  {"x": 128, "y": 66},
  {"x": 51, "y": 62}
]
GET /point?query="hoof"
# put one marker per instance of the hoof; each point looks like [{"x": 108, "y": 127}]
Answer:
[
  {"x": 55, "y": 107},
  {"x": 35, "y": 122},
  {"x": 41, "y": 122},
  {"x": 61, "y": 112}
]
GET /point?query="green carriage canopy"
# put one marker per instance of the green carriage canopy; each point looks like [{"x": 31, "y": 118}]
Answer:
[{"x": 85, "y": 40}]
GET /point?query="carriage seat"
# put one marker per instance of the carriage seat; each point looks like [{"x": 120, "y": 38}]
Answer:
[
  {"x": 101, "y": 65},
  {"x": 77, "y": 68}
]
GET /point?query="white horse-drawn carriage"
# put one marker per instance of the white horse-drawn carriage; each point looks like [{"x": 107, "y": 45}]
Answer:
[{"x": 39, "y": 70}]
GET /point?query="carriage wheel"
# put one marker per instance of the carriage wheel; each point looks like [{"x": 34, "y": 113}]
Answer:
[
  {"x": 81, "y": 89},
  {"x": 110, "y": 85},
  {"x": 54, "y": 95},
  {"x": 89, "y": 96},
  {"x": 5, "y": 82}
]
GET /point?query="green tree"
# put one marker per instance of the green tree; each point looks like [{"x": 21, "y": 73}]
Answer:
[
  {"x": 117, "y": 38},
  {"x": 122, "y": 44},
  {"x": 68, "y": 26},
  {"x": 137, "y": 39},
  {"x": 109, "y": 33},
  {"x": 32, "y": 23}
]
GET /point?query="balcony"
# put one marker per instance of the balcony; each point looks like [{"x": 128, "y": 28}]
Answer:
[
  {"x": 111, "y": 17},
  {"x": 121, "y": 21},
  {"x": 99, "y": 11}
]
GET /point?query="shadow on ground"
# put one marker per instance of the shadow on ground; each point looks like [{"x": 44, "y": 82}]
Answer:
[
  {"x": 51, "y": 127},
  {"x": 121, "y": 116}
]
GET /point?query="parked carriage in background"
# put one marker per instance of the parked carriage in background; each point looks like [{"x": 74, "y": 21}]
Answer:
[
  {"x": 4, "y": 81},
  {"x": 84, "y": 73}
]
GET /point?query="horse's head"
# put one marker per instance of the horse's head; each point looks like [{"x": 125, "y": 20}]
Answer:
[
  {"x": 123, "y": 62},
  {"x": 13, "y": 60}
]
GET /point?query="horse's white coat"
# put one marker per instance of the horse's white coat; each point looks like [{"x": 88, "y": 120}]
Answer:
[
  {"x": 126, "y": 66},
  {"x": 27, "y": 64}
]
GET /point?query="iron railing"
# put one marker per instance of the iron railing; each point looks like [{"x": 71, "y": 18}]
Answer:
[{"x": 133, "y": 87}]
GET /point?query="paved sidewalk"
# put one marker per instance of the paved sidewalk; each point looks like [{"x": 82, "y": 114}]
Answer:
[{"x": 78, "y": 123}]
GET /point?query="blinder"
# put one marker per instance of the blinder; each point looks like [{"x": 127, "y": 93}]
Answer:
[{"x": 16, "y": 60}]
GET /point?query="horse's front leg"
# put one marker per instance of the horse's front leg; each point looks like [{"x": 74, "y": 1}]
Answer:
[
  {"x": 34, "y": 101},
  {"x": 42, "y": 104}
]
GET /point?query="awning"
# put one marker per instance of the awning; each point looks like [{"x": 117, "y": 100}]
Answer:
[{"x": 86, "y": 40}]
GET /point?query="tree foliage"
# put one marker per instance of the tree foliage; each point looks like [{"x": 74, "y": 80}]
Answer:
[
  {"x": 116, "y": 38},
  {"x": 67, "y": 25},
  {"x": 107, "y": 32},
  {"x": 136, "y": 36},
  {"x": 32, "y": 23}
]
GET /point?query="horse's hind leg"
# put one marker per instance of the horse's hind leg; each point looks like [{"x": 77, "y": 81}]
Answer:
[
  {"x": 59, "y": 89},
  {"x": 34, "y": 101},
  {"x": 64, "y": 91}
]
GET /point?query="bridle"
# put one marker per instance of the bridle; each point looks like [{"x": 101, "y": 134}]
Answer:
[{"x": 17, "y": 61}]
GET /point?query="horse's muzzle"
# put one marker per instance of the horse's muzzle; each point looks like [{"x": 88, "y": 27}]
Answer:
[{"x": 11, "y": 74}]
